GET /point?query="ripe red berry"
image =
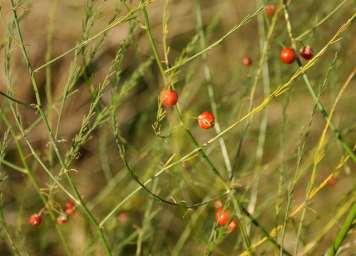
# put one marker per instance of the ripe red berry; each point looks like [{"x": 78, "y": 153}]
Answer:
[
  {"x": 287, "y": 55},
  {"x": 35, "y": 219},
  {"x": 70, "y": 208},
  {"x": 270, "y": 9},
  {"x": 206, "y": 120},
  {"x": 62, "y": 219},
  {"x": 222, "y": 217},
  {"x": 168, "y": 97},
  {"x": 247, "y": 61},
  {"x": 232, "y": 226},
  {"x": 306, "y": 52}
]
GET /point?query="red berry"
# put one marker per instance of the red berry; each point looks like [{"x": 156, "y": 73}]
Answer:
[
  {"x": 62, "y": 219},
  {"x": 70, "y": 204},
  {"x": 168, "y": 98},
  {"x": 35, "y": 219},
  {"x": 287, "y": 55},
  {"x": 123, "y": 217},
  {"x": 70, "y": 208},
  {"x": 232, "y": 226},
  {"x": 206, "y": 120},
  {"x": 247, "y": 61},
  {"x": 222, "y": 217},
  {"x": 331, "y": 182},
  {"x": 270, "y": 9},
  {"x": 70, "y": 211},
  {"x": 306, "y": 52}
]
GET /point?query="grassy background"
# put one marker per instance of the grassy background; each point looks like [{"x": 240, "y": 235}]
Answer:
[{"x": 112, "y": 79}]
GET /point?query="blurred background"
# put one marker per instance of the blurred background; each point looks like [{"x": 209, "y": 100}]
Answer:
[{"x": 271, "y": 154}]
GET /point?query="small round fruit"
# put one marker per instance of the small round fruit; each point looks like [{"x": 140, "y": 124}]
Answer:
[
  {"x": 306, "y": 52},
  {"x": 70, "y": 208},
  {"x": 246, "y": 61},
  {"x": 168, "y": 98},
  {"x": 232, "y": 226},
  {"x": 206, "y": 120},
  {"x": 35, "y": 219},
  {"x": 222, "y": 217},
  {"x": 62, "y": 219},
  {"x": 287, "y": 55},
  {"x": 123, "y": 217},
  {"x": 331, "y": 182},
  {"x": 270, "y": 9}
]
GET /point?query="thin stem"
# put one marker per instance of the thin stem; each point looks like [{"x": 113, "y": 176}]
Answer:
[
  {"x": 341, "y": 235},
  {"x": 25, "y": 54},
  {"x": 115, "y": 23},
  {"x": 17, "y": 101},
  {"x": 50, "y": 32},
  {"x": 153, "y": 42},
  {"x": 244, "y": 21},
  {"x": 210, "y": 88},
  {"x": 264, "y": 231},
  {"x": 201, "y": 151},
  {"x": 122, "y": 152},
  {"x": 320, "y": 22}
]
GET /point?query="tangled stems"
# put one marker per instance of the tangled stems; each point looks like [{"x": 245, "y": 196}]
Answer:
[
  {"x": 319, "y": 105},
  {"x": 45, "y": 121},
  {"x": 188, "y": 65}
]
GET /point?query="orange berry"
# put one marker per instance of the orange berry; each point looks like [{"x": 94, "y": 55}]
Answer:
[
  {"x": 287, "y": 55},
  {"x": 222, "y": 217},
  {"x": 247, "y": 61},
  {"x": 123, "y": 217},
  {"x": 206, "y": 120},
  {"x": 168, "y": 98},
  {"x": 232, "y": 226},
  {"x": 331, "y": 181},
  {"x": 35, "y": 219},
  {"x": 70, "y": 208},
  {"x": 270, "y": 9}
]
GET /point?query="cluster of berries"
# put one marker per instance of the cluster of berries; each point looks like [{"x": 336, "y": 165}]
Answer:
[
  {"x": 169, "y": 98},
  {"x": 69, "y": 209},
  {"x": 287, "y": 55},
  {"x": 223, "y": 217}
]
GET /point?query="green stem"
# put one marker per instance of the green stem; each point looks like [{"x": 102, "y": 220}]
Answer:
[
  {"x": 201, "y": 150},
  {"x": 16, "y": 100},
  {"x": 341, "y": 235},
  {"x": 264, "y": 231},
  {"x": 152, "y": 42},
  {"x": 25, "y": 54},
  {"x": 211, "y": 93}
]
